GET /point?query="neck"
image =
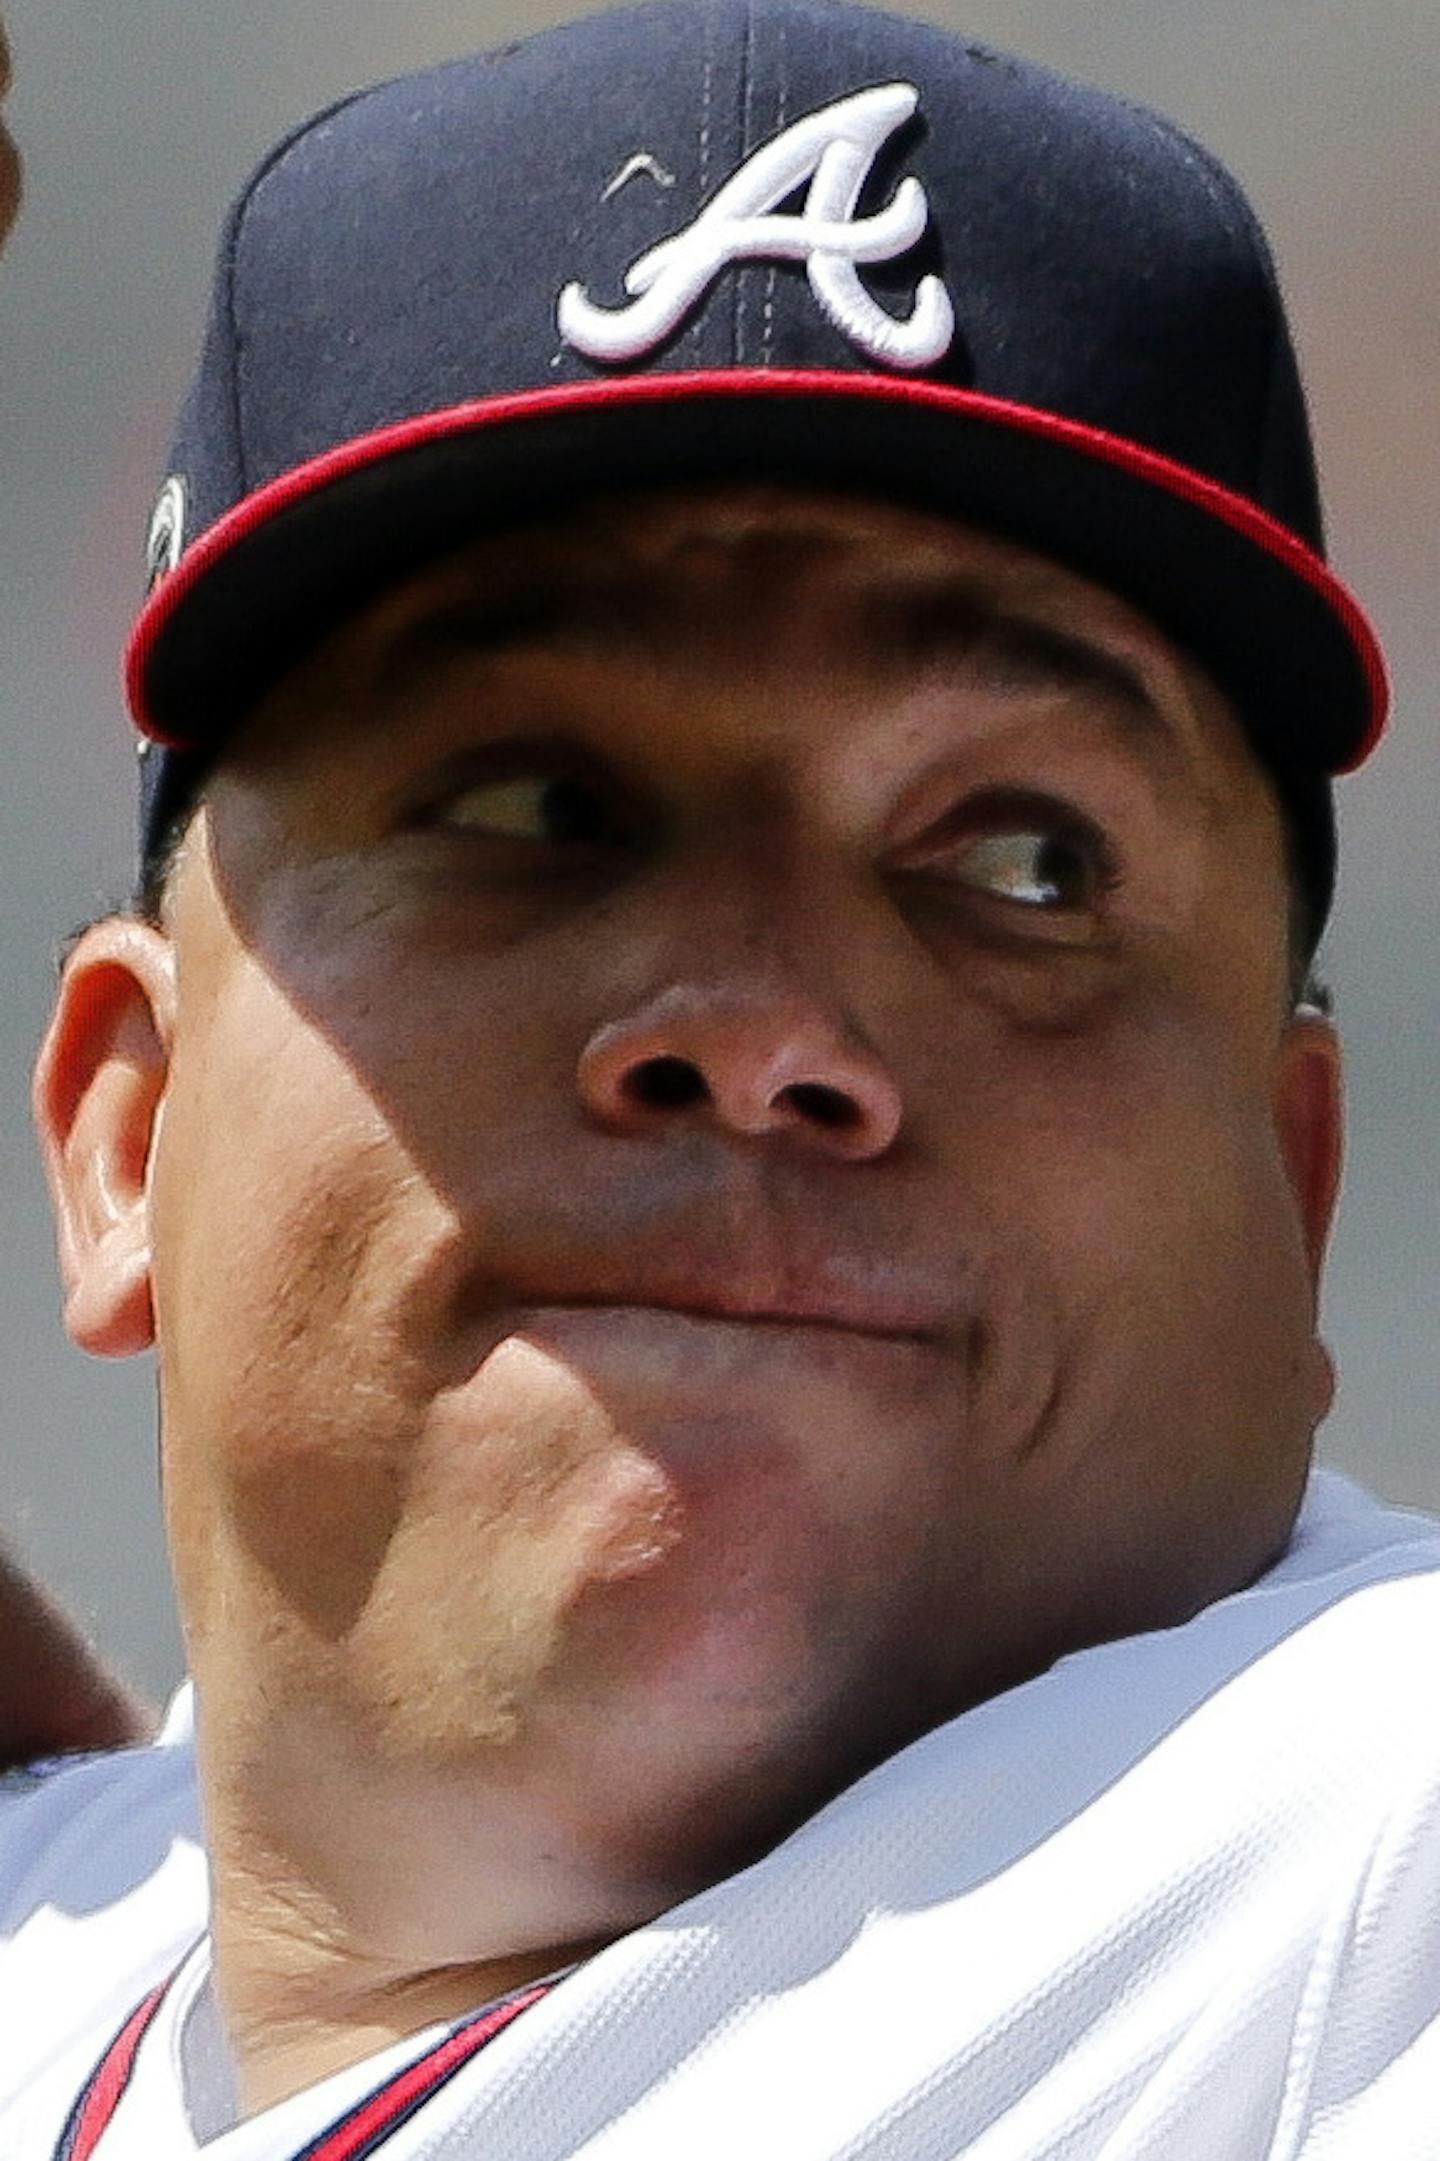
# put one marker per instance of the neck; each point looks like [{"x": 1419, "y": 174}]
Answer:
[
  {"x": 297, "y": 2013},
  {"x": 304, "y": 1993},
  {"x": 340, "y": 1930}
]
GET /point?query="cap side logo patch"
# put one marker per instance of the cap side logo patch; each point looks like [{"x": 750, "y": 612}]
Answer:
[
  {"x": 165, "y": 541},
  {"x": 835, "y": 150}
]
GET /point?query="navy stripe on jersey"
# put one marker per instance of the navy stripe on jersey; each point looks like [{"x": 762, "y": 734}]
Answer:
[{"x": 358, "y": 2134}]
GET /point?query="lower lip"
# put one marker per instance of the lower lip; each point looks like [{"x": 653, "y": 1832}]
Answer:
[{"x": 736, "y": 1317}]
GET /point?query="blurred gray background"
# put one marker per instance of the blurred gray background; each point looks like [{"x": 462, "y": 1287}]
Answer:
[{"x": 139, "y": 120}]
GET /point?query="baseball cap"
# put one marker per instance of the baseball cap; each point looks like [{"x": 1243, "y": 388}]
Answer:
[{"x": 720, "y": 240}]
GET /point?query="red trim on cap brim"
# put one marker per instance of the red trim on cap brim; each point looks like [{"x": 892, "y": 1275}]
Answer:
[{"x": 269, "y": 502}]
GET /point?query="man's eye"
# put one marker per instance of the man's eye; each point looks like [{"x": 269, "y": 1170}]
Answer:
[
  {"x": 530, "y": 806},
  {"x": 1041, "y": 870}
]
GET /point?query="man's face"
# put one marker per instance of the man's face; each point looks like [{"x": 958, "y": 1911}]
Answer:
[
  {"x": 735, "y": 1173},
  {"x": 9, "y": 155}
]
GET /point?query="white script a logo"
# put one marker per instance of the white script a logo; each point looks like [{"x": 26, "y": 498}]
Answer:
[{"x": 834, "y": 150}]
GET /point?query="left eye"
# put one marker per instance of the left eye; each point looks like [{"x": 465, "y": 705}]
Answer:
[
  {"x": 530, "y": 806},
  {"x": 1041, "y": 870}
]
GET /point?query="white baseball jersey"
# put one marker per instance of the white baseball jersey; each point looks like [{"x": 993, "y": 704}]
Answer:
[{"x": 1178, "y": 1899}]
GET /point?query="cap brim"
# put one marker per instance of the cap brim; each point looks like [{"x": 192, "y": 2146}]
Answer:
[{"x": 1229, "y": 585}]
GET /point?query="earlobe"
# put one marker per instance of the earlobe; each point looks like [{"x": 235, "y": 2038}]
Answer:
[
  {"x": 99, "y": 1098},
  {"x": 1310, "y": 1120}
]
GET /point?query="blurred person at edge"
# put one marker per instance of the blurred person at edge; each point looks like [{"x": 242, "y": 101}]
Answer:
[
  {"x": 53, "y": 1694},
  {"x": 9, "y": 155}
]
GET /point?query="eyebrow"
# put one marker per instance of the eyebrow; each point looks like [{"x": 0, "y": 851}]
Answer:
[
  {"x": 544, "y": 614},
  {"x": 957, "y": 627},
  {"x": 951, "y": 625}
]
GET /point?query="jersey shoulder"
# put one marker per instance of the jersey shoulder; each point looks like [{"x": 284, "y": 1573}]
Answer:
[{"x": 103, "y": 1886}]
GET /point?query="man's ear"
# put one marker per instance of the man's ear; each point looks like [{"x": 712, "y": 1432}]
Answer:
[
  {"x": 1310, "y": 1120},
  {"x": 99, "y": 1096}
]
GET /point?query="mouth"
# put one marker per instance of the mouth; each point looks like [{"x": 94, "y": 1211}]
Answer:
[
  {"x": 738, "y": 1312},
  {"x": 776, "y": 1278},
  {"x": 830, "y": 1297}
]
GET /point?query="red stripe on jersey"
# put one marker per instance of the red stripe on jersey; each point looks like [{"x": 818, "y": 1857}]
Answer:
[
  {"x": 100, "y": 2096},
  {"x": 365, "y": 2129},
  {"x": 353, "y": 2138}
]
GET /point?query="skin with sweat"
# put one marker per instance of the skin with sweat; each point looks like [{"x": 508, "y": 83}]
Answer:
[{"x": 715, "y": 1146}]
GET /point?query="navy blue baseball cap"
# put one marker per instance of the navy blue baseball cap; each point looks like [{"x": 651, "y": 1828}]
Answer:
[{"x": 719, "y": 240}]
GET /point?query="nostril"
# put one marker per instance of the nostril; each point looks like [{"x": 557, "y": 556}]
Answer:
[
  {"x": 821, "y": 1105},
  {"x": 667, "y": 1084}
]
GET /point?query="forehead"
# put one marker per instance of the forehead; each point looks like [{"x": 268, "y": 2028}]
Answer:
[
  {"x": 738, "y": 580},
  {"x": 677, "y": 555}
]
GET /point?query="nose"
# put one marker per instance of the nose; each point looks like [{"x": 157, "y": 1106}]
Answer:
[{"x": 751, "y": 1064}]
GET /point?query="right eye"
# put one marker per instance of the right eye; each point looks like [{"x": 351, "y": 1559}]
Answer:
[{"x": 538, "y": 807}]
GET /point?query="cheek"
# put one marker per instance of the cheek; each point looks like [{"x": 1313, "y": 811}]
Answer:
[
  {"x": 276, "y": 1175},
  {"x": 1149, "y": 1103},
  {"x": 341, "y": 1455},
  {"x": 1134, "y": 1185},
  {"x": 1149, "y": 1196},
  {"x": 457, "y": 1038},
  {"x": 521, "y": 1498},
  {"x": 289, "y": 1230}
]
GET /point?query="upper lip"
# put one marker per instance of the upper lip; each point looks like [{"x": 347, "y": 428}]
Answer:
[{"x": 833, "y": 1290}]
